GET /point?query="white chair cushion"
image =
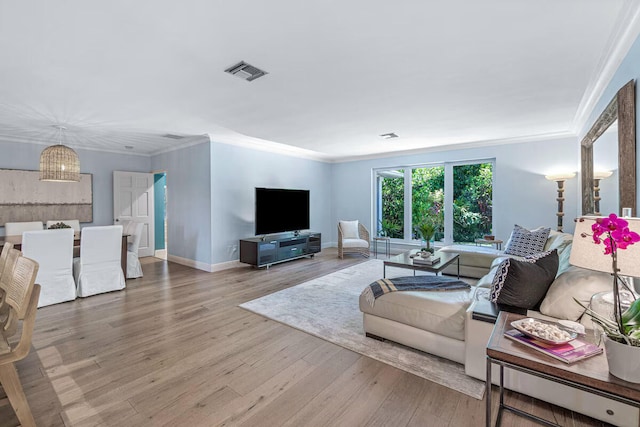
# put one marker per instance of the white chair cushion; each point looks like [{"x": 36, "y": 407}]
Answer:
[
  {"x": 354, "y": 243},
  {"x": 349, "y": 230},
  {"x": 578, "y": 283}
]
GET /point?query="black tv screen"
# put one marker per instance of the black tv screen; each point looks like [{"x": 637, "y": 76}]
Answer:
[{"x": 279, "y": 210}]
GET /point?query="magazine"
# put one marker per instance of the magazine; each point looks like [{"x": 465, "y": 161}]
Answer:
[{"x": 568, "y": 353}]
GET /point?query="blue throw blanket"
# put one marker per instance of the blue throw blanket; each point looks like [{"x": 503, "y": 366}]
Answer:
[{"x": 412, "y": 283}]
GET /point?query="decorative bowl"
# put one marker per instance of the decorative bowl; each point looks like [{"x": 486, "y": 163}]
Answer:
[{"x": 489, "y": 237}]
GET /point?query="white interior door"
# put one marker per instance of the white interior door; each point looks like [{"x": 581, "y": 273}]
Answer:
[{"x": 133, "y": 201}]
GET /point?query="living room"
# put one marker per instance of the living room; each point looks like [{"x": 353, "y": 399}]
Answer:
[{"x": 212, "y": 174}]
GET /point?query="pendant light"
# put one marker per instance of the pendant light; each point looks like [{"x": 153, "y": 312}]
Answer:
[{"x": 59, "y": 162}]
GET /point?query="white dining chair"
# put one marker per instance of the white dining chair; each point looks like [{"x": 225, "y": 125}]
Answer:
[
  {"x": 99, "y": 268},
  {"x": 17, "y": 228},
  {"x": 53, "y": 250},
  {"x": 73, "y": 223},
  {"x": 134, "y": 269}
]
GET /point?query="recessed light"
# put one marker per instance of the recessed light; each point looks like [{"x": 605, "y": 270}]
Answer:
[{"x": 389, "y": 135}]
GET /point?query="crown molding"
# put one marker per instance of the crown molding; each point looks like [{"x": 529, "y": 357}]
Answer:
[
  {"x": 629, "y": 25},
  {"x": 197, "y": 140},
  {"x": 460, "y": 146},
  {"x": 27, "y": 140},
  {"x": 273, "y": 147}
]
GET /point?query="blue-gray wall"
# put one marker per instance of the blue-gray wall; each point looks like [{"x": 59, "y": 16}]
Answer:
[
  {"x": 521, "y": 194},
  {"x": 236, "y": 171},
  {"x": 14, "y": 155},
  {"x": 188, "y": 201}
]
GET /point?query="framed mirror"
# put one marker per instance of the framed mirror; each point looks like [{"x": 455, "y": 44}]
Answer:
[{"x": 620, "y": 113}]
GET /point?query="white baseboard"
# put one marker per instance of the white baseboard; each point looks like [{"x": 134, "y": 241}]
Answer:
[
  {"x": 191, "y": 263},
  {"x": 161, "y": 253},
  {"x": 226, "y": 265}
]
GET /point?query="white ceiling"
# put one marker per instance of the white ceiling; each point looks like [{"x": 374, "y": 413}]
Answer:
[{"x": 341, "y": 73}]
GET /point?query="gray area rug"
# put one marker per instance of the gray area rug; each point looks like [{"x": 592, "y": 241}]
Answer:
[{"x": 327, "y": 307}]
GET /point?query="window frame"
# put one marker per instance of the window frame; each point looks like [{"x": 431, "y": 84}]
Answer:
[{"x": 408, "y": 205}]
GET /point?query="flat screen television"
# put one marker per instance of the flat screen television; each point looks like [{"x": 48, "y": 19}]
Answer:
[{"x": 279, "y": 210}]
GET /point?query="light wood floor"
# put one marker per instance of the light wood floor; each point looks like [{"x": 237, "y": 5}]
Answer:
[{"x": 174, "y": 349}]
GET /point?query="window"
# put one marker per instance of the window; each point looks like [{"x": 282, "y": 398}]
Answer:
[
  {"x": 390, "y": 206},
  {"x": 407, "y": 197}
]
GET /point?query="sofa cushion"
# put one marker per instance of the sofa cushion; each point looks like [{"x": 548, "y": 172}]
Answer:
[
  {"x": 442, "y": 313},
  {"x": 578, "y": 283},
  {"x": 524, "y": 242},
  {"x": 349, "y": 229},
  {"x": 523, "y": 284},
  {"x": 474, "y": 256}
]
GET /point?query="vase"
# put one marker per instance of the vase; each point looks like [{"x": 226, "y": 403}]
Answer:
[{"x": 624, "y": 360}]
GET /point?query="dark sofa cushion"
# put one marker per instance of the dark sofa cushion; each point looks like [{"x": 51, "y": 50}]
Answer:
[{"x": 524, "y": 284}]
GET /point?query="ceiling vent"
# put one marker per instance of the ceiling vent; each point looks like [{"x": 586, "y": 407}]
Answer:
[
  {"x": 245, "y": 71},
  {"x": 172, "y": 136},
  {"x": 389, "y": 135}
]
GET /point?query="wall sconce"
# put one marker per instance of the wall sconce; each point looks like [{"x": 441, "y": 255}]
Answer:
[
  {"x": 560, "y": 178},
  {"x": 597, "y": 176}
]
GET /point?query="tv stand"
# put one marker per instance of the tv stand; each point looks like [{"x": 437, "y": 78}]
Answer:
[{"x": 265, "y": 251}]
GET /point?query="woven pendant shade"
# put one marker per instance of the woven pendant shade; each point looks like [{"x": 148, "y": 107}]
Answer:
[{"x": 59, "y": 163}]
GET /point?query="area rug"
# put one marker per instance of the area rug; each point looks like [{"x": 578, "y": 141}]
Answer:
[{"x": 327, "y": 307}]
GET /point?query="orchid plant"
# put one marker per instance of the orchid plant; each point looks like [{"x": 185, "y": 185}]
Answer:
[{"x": 614, "y": 234}]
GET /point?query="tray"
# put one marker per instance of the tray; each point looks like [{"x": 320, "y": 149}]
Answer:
[{"x": 521, "y": 324}]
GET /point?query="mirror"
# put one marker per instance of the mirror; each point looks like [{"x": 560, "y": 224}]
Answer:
[{"x": 617, "y": 120}]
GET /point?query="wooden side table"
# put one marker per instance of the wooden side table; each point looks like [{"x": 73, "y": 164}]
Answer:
[{"x": 590, "y": 375}]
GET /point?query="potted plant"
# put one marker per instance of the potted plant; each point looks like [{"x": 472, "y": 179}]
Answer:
[
  {"x": 622, "y": 333},
  {"x": 426, "y": 230}
]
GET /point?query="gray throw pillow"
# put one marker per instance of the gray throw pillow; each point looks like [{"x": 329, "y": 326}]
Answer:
[
  {"x": 524, "y": 284},
  {"x": 524, "y": 242}
]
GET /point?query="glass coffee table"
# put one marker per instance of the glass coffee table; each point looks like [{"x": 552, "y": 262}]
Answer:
[{"x": 405, "y": 260}]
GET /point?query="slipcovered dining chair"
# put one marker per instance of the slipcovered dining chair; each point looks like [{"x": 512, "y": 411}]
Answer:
[
  {"x": 353, "y": 237},
  {"x": 98, "y": 269},
  {"x": 17, "y": 228},
  {"x": 22, "y": 302},
  {"x": 73, "y": 223},
  {"x": 134, "y": 269},
  {"x": 6, "y": 277},
  {"x": 3, "y": 257},
  {"x": 53, "y": 250}
]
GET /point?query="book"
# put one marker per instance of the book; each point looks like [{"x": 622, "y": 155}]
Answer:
[
  {"x": 570, "y": 352},
  {"x": 427, "y": 261}
]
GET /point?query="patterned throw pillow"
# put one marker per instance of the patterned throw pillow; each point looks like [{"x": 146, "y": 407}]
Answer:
[
  {"x": 524, "y": 284},
  {"x": 524, "y": 242}
]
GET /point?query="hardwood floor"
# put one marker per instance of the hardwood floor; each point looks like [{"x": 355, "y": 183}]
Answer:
[{"x": 173, "y": 349}]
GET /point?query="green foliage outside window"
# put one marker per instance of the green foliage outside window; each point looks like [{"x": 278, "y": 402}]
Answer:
[{"x": 472, "y": 206}]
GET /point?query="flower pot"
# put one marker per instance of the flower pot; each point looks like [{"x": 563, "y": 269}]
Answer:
[{"x": 624, "y": 360}]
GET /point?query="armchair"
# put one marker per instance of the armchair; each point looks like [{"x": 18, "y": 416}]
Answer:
[{"x": 353, "y": 237}]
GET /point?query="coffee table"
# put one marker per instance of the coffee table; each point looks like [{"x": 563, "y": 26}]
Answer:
[
  {"x": 591, "y": 375},
  {"x": 404, "y": 260}
]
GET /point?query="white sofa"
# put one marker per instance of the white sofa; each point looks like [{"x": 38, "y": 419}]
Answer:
[{"x": 444, "y": 324}]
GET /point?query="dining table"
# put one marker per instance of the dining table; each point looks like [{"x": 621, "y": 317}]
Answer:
[{"x": 17, "y": 244}]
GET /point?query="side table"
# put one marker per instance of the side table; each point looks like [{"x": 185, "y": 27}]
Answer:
[
  {"x": 590, "y": 375},
  {"x": 496, "y": 242},
  {"x": 387, "y": 245}
]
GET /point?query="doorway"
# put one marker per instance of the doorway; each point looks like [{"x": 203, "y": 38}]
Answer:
[{"x": 160, "y": 213}]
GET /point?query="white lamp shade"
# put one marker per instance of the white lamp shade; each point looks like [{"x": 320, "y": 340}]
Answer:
[{"x": 587, "y": 254}]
